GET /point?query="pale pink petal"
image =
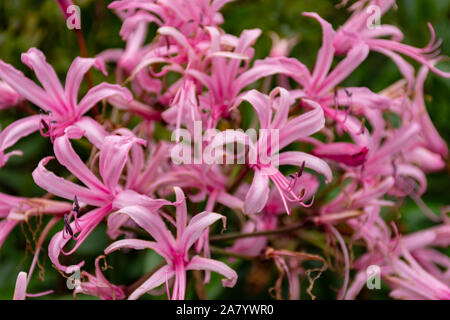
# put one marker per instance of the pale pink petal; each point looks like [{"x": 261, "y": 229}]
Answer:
[
  {"x": 75, "y": 75},
  {"x": 297, "y": 158},
  {"x": 70, "y": 159},
  {"x": 35, "y": 59},
  {"x": 354, "y": 58},
  {"x": 257, "y": 195},
  {"x": 153, "y": 224},
  {"x": 21, "y": 286},
  {"x": 114, "y": 156},
  {"x": 63, "y": 188},
  {"x": 196, "y": 226},
  {"x": 326, "y": 52},
  {"x": 100, "y": 92},
  {"x": 199, "y": 263},
  {"x": 303, "y": 125},
  {"x": 158, "y": 278}
]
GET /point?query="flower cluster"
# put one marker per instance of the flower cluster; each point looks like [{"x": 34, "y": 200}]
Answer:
[{"x": 336, "y": 160}]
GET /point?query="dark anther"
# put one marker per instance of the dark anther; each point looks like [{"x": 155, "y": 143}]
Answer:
[
  {"x": 76, "y": 206},
  {"x": 335, "y": 97},
  {"x": 67, "y": 226},
  {"x": 300, "y": 172},
  {"x": 45, "y": 125}
]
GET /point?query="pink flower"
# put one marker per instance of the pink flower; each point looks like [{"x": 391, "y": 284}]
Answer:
[
  {"x": 61, "y": 104},
  {"x": 14, "y": 210},
  {"x": 97, "y": 285},
  {"x": 174, "y": 250},
  {"x": 8, "y": 97},
  {"x": 265, "y": 152},
  {"x": 20, "y": 291},
  {"x": 106, "y": 195},
  {"x": 355, "y": 32}
]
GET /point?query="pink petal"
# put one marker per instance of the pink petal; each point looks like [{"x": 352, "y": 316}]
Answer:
[
  {"x": 102, "y": 91},
  {"x": 114, "y": 156},
  {"x": 196, "y": 226},
  {"x": 303, "y": 125},
  {"x": 35, "y": 59},
  {"x": 297, "y": 158},
  {"x": 257, "y": 195},
  {"x": 326, "y": 52},
  {"x": 25, "y": 87},
  {"x": 17, "y": 130},
  {"x": 181, "y": 211},
  {"x": 63, "y": 188},
  {"x": 354, "y": 58},
  {"x": 199, "y": 263},
  {"x": 153, "y": 224},
  {"x": 157, "y": 279},
  {"x": 21, "y": 286},
  {"x": 75, "y": 75},
  {"x": 70, "y": 159}
]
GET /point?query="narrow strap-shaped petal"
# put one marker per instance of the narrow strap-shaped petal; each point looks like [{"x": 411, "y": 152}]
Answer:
[
  {"x": 158, "y": 278},
  {"x": 196, "y": 226},
  {"x": 21, "y": 286},
  {"x": 136, "y": 244},
  {"x": 199, "y": 263},
  {"x": 35, "y": 59},
  {"x": 326, "y": 52},
  {"x": 303, "y": 125},
  {"x": 70, "y": 159},
  {"x": 114, "y": 156},
  {"x": 93, "y": 131},
  {"x": 284, "y": 102},
  {"x": 102, "y": 91},
  {"x": 261, "y": 103},
  {"x": 354, "y": 58},
  {"x": 62, "y": 188},
  {"x": 76, "y": 74},
  {"x": 25, "y": 87},
  {"x": 15, "y": 131},
  {"x": 153, "y": 224},
  {"x": 181, "y": 211},
  {"x": 297, "y": 158},
  {"x": 258, "y": 194}
]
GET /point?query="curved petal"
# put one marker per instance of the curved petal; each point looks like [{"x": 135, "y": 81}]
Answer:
[
  {"x": 70, "y": 159},
  {"x": 326, "y": 52},
  {"x": 63, "y": 188},
  {"x": 102, "y": 91},
  {"x": 196, "y": 226},
  {"x": 17, "y": 130},
  {"x": 181, "y": 211},
  {"x": 157, "y": 279},
  {"x": 199, "y": 263},
  {"x": 297, "y": 158},
  {"x": 136, "y": 244},
  {"x": 114, "y": 156},
  {"x": 35, "y": 59},
  {"x": 354, "y": 58},
  {"x": 93, "y": 131},
  {"x": 261, "y": 103},
  {"x": 153, "y": 224},
  {"x": 303, "y": 125},
  {"x": 21, "y": 286},
  {"x": 258, "y": 194},
  {"x": 75, "y": 75},
  {"x": 25, "y": 87}
]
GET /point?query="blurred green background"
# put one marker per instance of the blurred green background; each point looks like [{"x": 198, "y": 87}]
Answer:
[{"x": 30, "y": 23}]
